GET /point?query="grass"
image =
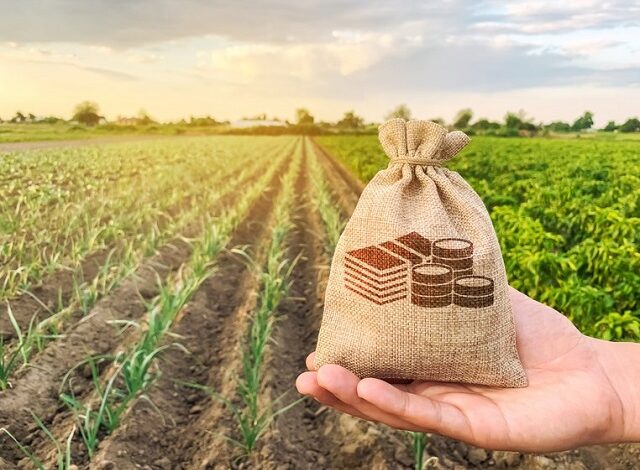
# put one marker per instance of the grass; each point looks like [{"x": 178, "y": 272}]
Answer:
[{"x": 90, "y": 419}]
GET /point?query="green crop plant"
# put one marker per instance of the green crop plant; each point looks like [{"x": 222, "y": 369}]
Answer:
[
  {"x": 122, "y": 261},
  {"x": 93, "y": 417},
  {"x": 63, "y": 450},
  {"x": 61, "y": 205},
  {"x": 253, "y": 418},
  {"x": 17, "y": 354},
  {"x": 324, "y": 201}
]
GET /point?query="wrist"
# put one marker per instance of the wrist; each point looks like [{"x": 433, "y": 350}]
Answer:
[{"x": 620, "y": 363}]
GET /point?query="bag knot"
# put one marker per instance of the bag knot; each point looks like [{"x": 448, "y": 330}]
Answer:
[{"x": 420, "y": 142}]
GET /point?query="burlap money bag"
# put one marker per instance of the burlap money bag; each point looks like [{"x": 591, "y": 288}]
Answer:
[{"x": 417, "y": 287}]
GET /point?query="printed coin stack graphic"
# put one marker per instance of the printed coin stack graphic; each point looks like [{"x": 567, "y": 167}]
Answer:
[
  {"x": 436, "y": 274},
  {"x": 455, "y": 253}
]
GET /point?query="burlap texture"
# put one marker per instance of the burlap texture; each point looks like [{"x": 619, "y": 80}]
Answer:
[{"x": 417, "y": 287}]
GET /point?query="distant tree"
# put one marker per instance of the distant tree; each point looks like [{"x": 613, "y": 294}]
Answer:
[
  {"x": 303, "y": 116},
  {"x": 19, "y": 117},
  {"x": 437, "y": 121},
  {"x": 350, "y": 121},
  {"x": 610, "y": 127},
  {"x": 203, "y": 121},
  {"x": 583, "y": 122},
  {"x": 401, "y": 111},
  {"x": 631, "y": 125},
  {"x": 144, "y": 118},
  {"x": 462, "y": 119},
  {"x": 512, "y": 121},
  {"x": 485, "y": 125},
  {"x": 559, "y": 126},
  {"x": 87, "y": 113}
]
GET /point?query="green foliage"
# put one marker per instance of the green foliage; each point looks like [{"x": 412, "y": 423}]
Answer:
[
  {"x": 323, "y": 201},
  {"x": 567, "y": 214},
  {"x": 631, "y": 125},
  {"x": 463, "y": 118},
  {"x": 583, "y": 122},
  {"x": 350, "y": 121}
]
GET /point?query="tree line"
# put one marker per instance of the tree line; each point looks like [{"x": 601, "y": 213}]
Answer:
[{"x": 513, "y": 124}]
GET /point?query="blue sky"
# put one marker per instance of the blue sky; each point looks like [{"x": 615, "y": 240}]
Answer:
[{"x": 236, "y": 58}]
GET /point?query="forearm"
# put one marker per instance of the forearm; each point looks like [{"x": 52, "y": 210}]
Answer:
[{"x": 621, "y": 363}]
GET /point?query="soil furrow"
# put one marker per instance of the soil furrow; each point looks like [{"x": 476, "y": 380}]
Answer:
[
  {"x": 36, "y": 388},
  {"x": 299, "y": 438},
  {"x": 342, "y": 177},
  {"x": 211, "y": 328}
]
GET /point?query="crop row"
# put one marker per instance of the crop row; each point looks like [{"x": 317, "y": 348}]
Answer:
[
  {"x": 134, "y": 368},
  {"x": 58, "y": 206},
  {"x": 120, "y": 263}
]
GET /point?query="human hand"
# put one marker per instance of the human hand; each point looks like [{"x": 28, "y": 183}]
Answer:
[{"x": 581, "y": 391}]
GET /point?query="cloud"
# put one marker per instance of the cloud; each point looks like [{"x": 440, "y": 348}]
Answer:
[
  {"x": 349, "y": 52},
  {"x": 133, "y": 23},
  {"x": 553, "y": 17},
  {"x": 325, "y": 53},
  {"x": 47, "y": 56}
]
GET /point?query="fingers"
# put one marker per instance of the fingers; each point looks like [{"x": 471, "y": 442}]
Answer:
[
  {"x": 418, "y": 411},
  {"x": 343, "y": 384},
  {"x": 307, "y": 384},
  {"x": 310, "y": 360}
]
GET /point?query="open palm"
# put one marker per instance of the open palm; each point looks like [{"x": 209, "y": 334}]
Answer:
[{"x": 569, "y": 401}]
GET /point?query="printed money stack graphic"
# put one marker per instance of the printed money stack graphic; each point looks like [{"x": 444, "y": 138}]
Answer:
[{"x": 433, "y": 274}]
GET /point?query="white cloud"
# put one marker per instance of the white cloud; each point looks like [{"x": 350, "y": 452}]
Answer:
[{"x": 349, "y": 52}]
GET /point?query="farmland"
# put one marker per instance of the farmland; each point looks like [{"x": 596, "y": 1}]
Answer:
[{"x": 159, "y": 297}]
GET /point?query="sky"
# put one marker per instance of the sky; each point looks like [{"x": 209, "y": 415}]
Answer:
[{"x": 233, "y": 58}]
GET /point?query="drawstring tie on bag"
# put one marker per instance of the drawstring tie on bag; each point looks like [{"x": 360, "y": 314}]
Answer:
[
  {"x": 420, "y": 143},
  {"x": 416, "y": 161}
]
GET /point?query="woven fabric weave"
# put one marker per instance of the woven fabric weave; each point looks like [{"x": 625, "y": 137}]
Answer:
[{"x": 417, "y": 287}]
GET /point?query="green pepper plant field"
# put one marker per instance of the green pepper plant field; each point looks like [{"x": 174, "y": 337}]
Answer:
[{"x": 158, "y": 296}]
